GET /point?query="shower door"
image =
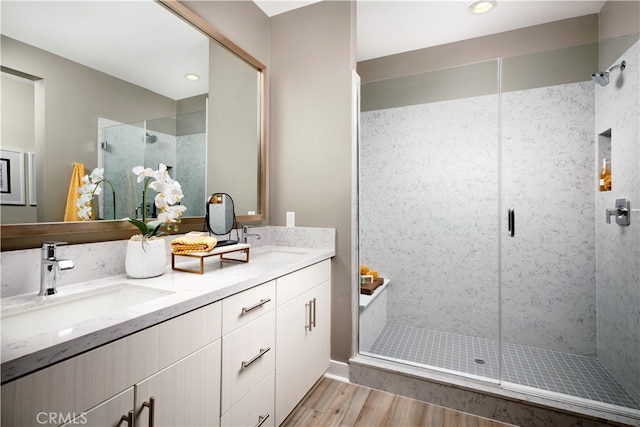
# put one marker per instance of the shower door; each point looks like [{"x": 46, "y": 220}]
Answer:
[
  {"x": 567, "y": 324},
  {"x": 122, "y": 150},
  {"x": 429, "y": 218}
]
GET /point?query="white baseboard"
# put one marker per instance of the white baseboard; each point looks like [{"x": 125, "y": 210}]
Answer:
[{"x": 338, "y": 371}]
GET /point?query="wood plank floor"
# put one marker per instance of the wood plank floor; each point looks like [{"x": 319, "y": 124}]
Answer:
[{"x": 336, "y": 403}]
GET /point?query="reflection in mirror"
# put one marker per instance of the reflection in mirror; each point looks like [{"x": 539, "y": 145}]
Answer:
[
  {"x": 179, "y": 142},
  {"x": 78, "y": 100},
  {"x": 221, "y": 217}
]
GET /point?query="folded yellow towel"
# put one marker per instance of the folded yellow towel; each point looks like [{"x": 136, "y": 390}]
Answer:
[{"x": 184, "y": 245}]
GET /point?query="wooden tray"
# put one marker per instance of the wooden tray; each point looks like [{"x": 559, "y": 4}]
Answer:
[
  {"x": 221, "y": 251},
  {"x": 368, "y": 288}
]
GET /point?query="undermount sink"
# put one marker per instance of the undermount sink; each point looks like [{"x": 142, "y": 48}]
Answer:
[
  {"x": 61, "y": 312},
  {"x": 277, "y": 255}
]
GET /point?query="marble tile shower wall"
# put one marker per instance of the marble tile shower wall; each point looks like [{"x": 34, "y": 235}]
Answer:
[
  {"x": 21, "y": 269},
  {"x": 618, "y": 257},
  {"x": 428, "y": 212},
  {"x": 430, "y": 216}
]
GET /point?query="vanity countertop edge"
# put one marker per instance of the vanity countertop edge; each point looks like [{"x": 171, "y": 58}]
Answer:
[{"x": 188, "y": 292}]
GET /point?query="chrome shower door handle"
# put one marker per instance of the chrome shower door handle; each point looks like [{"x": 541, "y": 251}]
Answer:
[{"x": 511, "y": 216}]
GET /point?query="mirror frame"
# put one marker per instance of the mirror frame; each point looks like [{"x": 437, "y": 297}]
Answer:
[{"x": 29, "y": 236}]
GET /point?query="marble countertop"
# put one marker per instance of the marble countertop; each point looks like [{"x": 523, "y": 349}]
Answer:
[{"x": 185, "y": 292}]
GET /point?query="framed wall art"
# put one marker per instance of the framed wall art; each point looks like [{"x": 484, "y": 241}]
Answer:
[{"x": 12, "y": 177}]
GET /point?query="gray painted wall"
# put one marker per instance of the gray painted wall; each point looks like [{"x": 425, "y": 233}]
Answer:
[
  {"x": 539, "y": 38},
  {"x": 18, "y": 126},
  {"x": 242, "y": 22},
  {"x": 311, "y": 62}
]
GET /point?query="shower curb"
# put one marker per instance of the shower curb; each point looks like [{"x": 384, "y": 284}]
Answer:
[{"x": 478, "y": 397}]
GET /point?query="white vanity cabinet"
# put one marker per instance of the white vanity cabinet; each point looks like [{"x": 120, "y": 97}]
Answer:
[
  {"x": 246, "y": 360},
  {"x": 168, "y": 361},
  {"x": 303, "y": 328},
  {"x": 248, "y": 357}
]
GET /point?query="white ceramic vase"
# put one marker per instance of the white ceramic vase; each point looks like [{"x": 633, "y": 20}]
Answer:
[{"x": 144, "y": 260}]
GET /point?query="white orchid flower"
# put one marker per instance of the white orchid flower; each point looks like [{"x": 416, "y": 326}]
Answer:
[
  {"x": 142, "y": 173},
  {"x": 84, "y": 212},
  {"x": 97, "y": 175},
  {"x": 171, "y": 213},
  {"x": 90, "y": 188},
  {"x": 169, "y": 192}
]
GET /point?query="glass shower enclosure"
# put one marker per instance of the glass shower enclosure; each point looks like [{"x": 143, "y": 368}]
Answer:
[
  {"x": 179, "y": 142},
  {"x": 481, "y": 208}
]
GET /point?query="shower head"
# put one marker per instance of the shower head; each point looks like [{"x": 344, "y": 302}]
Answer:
[
  {"x": 602, "y": 77},
  {"x": 151, "y": 139}
]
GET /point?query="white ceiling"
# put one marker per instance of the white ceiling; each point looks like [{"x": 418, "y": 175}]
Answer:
[
  {"x": 386, "y": 27},
  {"x": 136, "y": 40}
]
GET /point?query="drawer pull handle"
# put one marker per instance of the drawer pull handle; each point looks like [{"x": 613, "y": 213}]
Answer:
[
  {"x": 262, "y": 302},
  {"x": 310, "y": 317},
  {"x": 314, "y": 312},
  {"x": 151, "y": 404},
  {"x": 128, "y": 419},
  {"x": 246, "y": 364},
  {"x": 262, "y": 419}
]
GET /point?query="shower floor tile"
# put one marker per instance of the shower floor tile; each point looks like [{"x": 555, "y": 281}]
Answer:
[{"x": 534, "y": 367}]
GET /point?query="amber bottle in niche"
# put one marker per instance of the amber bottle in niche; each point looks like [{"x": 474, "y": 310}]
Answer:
[{"x": 605, "y": 176}]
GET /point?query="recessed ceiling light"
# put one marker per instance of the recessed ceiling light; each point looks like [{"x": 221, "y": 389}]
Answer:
[
  {"x": 193, "y": 77},
  {"x": 482, "y": 6}
]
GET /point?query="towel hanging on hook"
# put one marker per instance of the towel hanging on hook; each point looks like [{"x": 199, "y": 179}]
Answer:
[{"x": 71, "y": 209}]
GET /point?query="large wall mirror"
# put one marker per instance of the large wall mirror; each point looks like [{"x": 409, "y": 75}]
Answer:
[{"x": 111, "y": 85}]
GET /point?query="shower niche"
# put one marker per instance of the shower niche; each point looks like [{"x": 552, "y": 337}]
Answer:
[{"x": 604, "y": 168}]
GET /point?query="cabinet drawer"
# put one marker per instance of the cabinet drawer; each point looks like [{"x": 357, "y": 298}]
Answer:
[
  {"x": 256, "y": 408},
  {"x": 240, "y": 309},
  {"x": 248, "y": 356},
  {"x": 298, "y": 282}
]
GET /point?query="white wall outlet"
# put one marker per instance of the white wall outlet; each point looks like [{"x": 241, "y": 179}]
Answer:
[{"x": 291, "y": 219}]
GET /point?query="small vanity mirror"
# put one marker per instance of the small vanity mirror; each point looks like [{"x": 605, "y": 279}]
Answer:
[{"x": 220, "y": 216}]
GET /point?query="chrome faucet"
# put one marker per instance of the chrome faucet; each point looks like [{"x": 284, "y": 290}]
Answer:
[
  {"x": 245, "y": 234},
  {"x": 49, "y": 267}
]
